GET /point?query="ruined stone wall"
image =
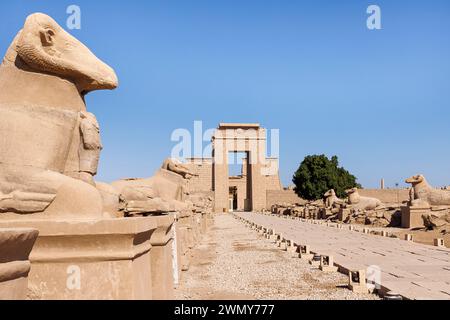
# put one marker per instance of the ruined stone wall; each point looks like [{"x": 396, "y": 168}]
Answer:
[
  {"x": 270, "y": 174},
  {"x": 386, "y": 195},
  {"x": 203, "y": 183},
  {"x": 273, "y": 183},
  {"x": 204, "y": 169},
  {"x": 282, "y": 196}
]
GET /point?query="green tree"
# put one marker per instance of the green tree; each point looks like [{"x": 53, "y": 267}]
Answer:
[{"x": 317, "y": 174}]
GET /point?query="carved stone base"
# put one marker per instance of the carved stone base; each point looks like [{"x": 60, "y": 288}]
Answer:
[
  {"x": 90, "y": 260},
  {"x": 184, "y": 242},
  {"x": 189, "y": 229},
  {"x": 15, "y": 248},
  {"x": 412, "y": 216},
  {"x": 161, "y": 258}
]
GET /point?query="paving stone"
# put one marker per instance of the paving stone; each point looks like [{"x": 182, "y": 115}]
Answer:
[{"x": 414, "y": 270}]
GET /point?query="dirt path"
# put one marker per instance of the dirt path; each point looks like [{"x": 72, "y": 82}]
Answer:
[{"x": 233, "y": 262}]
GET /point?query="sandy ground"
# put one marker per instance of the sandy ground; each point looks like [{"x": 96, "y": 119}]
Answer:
[{"x": 234, "y": 262}]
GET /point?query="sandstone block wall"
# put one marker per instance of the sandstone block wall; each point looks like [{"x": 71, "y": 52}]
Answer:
[
  {"x": 386, "y": 195},
  {"x": 281, "y": 196},
  {"x": 204, "y": 182},
  {"x": 273, "y": 182},
  {"x": 204, "y": 169}
]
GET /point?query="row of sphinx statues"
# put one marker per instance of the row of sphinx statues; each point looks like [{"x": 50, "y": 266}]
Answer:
[{"x": 50, "y": 143}]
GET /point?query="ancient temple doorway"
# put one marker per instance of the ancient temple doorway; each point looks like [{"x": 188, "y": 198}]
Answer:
[
  {"x": 251, "y": 177},
  {"x": 239, "y": 181}
]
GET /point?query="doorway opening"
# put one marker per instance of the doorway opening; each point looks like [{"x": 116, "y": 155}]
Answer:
[
  {"x": 239, "y": 178},
  {"x": 233, "y": 198}
]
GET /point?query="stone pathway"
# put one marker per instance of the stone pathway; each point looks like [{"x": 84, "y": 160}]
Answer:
[
  {"x": 235, "y": 262},
  {"x": 413, "y": 270}
]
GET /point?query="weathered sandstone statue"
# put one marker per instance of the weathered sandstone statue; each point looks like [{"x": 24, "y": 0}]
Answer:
[
  {"x": 425, "y": 195},
  {"x": 174, "y": 165},
  {"x": 331, "y": 199},
  {"x": 50, "y": 144},
  {"x": 362, "y": 203},
  {"x": 49, "y": 152},
  {"x": 164, "y": 192},
  {"x": 436, "y": 221}
]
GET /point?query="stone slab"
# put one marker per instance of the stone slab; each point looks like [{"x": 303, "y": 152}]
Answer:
[
  {"x": 90, "y": 259},
  {"x": 403, "y": 265}
]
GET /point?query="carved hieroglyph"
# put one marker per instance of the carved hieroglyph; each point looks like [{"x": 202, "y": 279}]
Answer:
[
  {"x": 425, "y": 195},
  {"x": 50, "y": 144}
]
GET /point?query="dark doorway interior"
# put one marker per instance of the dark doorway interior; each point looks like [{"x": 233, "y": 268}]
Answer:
[{"x": 233, "y": 196}]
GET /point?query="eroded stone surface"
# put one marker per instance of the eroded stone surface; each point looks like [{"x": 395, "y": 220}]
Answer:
[
  {"x": 425, "y": 195},
  {"x": 50, "y": 143},
  {"x": 15, "y": 247},
  {"x": 358, "y": 202}
]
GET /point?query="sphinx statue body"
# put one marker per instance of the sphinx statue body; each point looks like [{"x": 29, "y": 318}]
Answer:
[
  {"x": 331, "y": 200},
  {"x": 162, "y": 193},
  {"x": 423, "y": 194},
  {"x": 50, "y": 144},
  {"x": 435, "y": 202},
  {"x": 359, "y": 202}
]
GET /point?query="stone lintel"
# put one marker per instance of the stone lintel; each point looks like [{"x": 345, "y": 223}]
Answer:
[{"x": 239, "y": 126}]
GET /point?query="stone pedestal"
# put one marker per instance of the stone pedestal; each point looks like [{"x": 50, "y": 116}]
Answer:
[
  {"x": 90, "y": 260},
  {"x": 15, "y": 248},
  {"x": 343, "y": 214},
  {"x": 357, "y": 281},
  {"x": 161, "y": 259},
  {"x": 189, "y": 229},
  {"x": 412, "y": 216},
  {"x": 184, "y": 242},
  {"x": 305, "y": 253},
  {"x": 327, "y": 264},
  {"x": 439, "y": 243}
]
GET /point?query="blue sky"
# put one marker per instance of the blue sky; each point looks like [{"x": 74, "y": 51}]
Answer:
[{"x": 379, "y": 100}]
